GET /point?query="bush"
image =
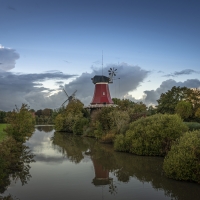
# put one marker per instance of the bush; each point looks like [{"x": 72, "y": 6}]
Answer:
[
  {"x": 79, "y": 126},
  {"x": 21, "y": 123},
  {"x": 71, "y": 118},
  {"x": 151, "y": 135},
  {"x": 193, "y": 125},
  {"x": 121, "y": 143},
  {"x": 183, "y": 160}
]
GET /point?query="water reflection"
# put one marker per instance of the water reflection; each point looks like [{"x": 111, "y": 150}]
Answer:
[
  {"x": 14, "y": 167},
  {"x": 123, "y": 166},
  {"x": 45, "y": 128},
  {"x": 73, "y": 167}
]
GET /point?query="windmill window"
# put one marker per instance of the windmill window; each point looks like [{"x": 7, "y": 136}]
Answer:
[{"x": 103, "y": 93}]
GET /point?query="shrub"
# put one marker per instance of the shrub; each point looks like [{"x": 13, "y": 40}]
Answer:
[
  {"x": 121, "y": 143},
  {"x": 183, "y": 160},
  {"x": 71, "y": 118},
  {"x": 151, "y": 135},
  {"x": 192, "y": 125},
  {"x": 21, "y": 123},
  {"x": 108, "y": 138},
  {"x": 79, "y": 125}
]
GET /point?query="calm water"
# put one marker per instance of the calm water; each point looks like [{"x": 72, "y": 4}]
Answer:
[{"x": 68, "y": 167}]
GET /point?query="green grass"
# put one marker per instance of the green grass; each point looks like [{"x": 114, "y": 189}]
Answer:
[
  {"x": 193, "y": 125},
  {"x": 2, "y": 133}
]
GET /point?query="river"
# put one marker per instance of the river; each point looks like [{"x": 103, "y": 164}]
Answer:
[{"x": 73, "y": 167}]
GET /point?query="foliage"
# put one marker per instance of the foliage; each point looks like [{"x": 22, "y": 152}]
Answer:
[
  {"x": 184, "y": 109},
  {"x": 168, "y": 101},
  {"x": 192, "y": 125},
  {"x": 123, "y": 104},
  {"x": 44, "y": 116},
  {"x": 122, "y": 143},
  {"x": 197, "y": 113},
  {"x": 151, "y": 110},
  {"x": 104, "y": 121},
  {"x": 80, "y": 125},
  {"x": 151, "y": 135},
  {"x": 194, "y": 99},
  {"x": 182, "y": 100},
  {"x": 72, "y": 118},
  {"x": 2, "y": 116},
  {"x": 119, "y": 119},
  {"x": 21, "y": 123},
  {"x": 108, "y": 122},
  {"x": 183, "y": 160},
  {"x": 2, "y": 133}
]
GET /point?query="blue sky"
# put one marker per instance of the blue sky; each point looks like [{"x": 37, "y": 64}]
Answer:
[{"x": 50, "y": 44}]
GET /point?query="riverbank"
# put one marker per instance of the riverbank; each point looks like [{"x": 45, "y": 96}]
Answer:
[{"x": 2, "y": 133}]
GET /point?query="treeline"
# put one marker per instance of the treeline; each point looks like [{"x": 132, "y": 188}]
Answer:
[
  {"x": 153, "y": 131},
  {"x": 45, "y": 116}
]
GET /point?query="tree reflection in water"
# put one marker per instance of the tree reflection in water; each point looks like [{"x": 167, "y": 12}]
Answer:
[
  {"x": 45, "y": 128},
  {"x": 15, "y": 159},
  {"x": 123, "y": 165}
]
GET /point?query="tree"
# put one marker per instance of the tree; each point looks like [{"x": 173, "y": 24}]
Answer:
[
  {"x": 38, "y": 113},
  {"x": 184, "y": 109},
  {"x": 47, "y": 112},
  {"x": 2, "y": 116},
  {"x": 194, "y": 99},
  {"x": 120, "y": 120},
  {"x": 21, "y": 123},
  {"x": 197, "y": 113},
  {"x": 169, "y": 100},
  {"x": 71, "y": 118}
]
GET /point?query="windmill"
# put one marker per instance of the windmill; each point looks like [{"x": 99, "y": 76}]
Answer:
[
  {"x": 69, "y": 98},
  {"x": 101, "y": 92}
]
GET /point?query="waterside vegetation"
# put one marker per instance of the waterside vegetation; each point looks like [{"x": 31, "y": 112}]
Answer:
[
  {"x": 15, "y": 157},
  {"x": 134, "y": 128}
]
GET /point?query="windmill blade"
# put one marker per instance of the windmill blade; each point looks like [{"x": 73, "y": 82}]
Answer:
[
  {"x": 74, "y": 92},
  {"x": 65, "y": 92},
  {"x": 65, "y": 102}
]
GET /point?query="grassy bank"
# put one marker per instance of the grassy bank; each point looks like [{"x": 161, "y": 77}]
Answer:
[{"x": 2, "y": 133}]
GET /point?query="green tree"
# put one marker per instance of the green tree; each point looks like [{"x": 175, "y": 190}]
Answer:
[
  {"x": 71, "y": 116},
  {"x": 120, "y": 120},
  {"x": 197, "y": 113},
  {"x": 21, "y": 123},
  {"x": 184, "y": 109},
  {"x": 151, "y": 110},
  {"x": 169, "y": 100},
  {"x": 2, "y": 116}
]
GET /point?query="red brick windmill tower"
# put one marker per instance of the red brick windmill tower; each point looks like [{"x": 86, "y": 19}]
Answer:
[{"x": 101, "y": 95}]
